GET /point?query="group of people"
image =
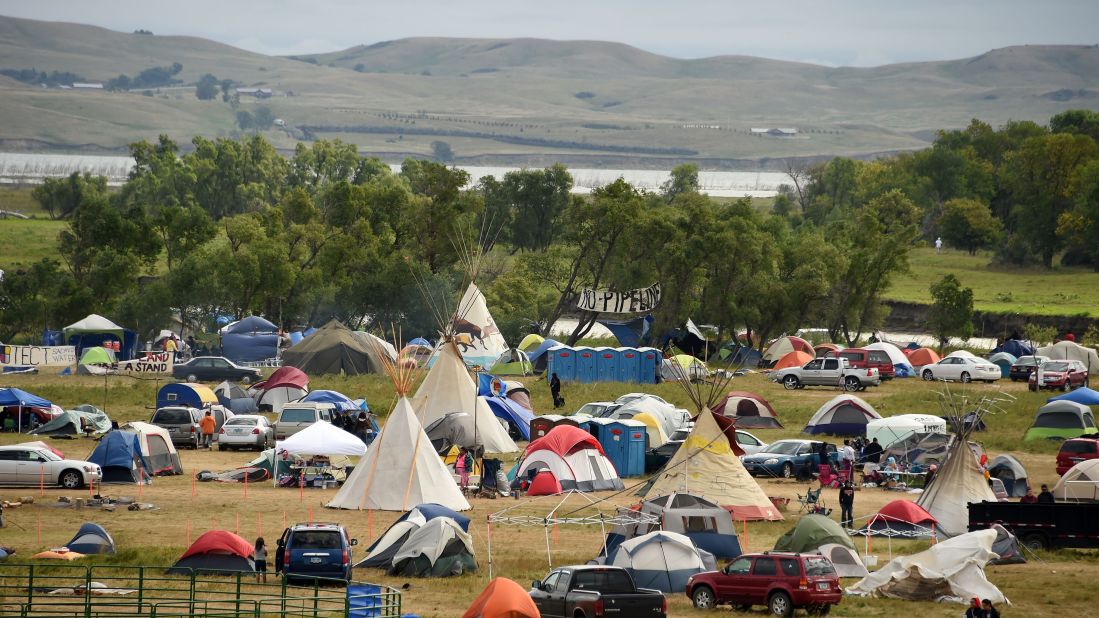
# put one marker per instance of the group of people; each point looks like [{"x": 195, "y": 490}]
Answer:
[
  {"x": 981, "y": 609},
  {"x": 358, "y": 424},
  {"x": 1043, "y": 497}
]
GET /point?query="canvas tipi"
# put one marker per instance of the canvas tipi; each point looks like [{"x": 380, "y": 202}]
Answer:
[
  {"x": 400, "y": 469},
  {"x": 475, "y": 332}
]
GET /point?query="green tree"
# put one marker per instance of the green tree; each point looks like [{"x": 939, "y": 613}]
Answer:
[
  {"x": 969, "y": 224},
  {"x": 245, "y": 121},
  {"x": 1080, "y": 226},
  {"x": 1076, "y": 121},
  {"x": 264, "y": 118},
  {"x": 207, "y": 88},
  {"x": 439, "y": 209},
  {"x": 951, "y": 312},
  {"x": 530, "y": 204},
  {"x": 683, "y": 179},
  {"x": 60, "y": 197},
  {"x": 441, "y": 152}
]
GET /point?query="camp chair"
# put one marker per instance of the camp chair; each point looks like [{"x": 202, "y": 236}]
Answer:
[
  {"x": 809, "y": 501},
  {"x": 844, "y": 475},
  {"x": 825, "y": 476}
]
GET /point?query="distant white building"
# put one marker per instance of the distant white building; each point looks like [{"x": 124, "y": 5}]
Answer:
[
  {"x": 259, "y": 93},
  {"x": 775, "y": 132},
  {"x": 88, "y": 85}
]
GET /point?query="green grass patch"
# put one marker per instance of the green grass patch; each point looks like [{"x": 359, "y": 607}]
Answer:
[{"x": 25, "y": 241}]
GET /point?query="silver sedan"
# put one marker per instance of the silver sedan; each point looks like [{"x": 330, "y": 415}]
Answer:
[{"x": 250, "y": 431}]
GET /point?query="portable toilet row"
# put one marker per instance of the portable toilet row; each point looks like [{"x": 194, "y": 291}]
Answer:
[
  {"x": 585, "y": 364},
  {"x": 624, "y": 441},
  {"x": 541, "y": 425}
]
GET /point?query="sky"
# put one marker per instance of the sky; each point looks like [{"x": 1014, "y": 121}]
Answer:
[{"x": 829, "y": 32}]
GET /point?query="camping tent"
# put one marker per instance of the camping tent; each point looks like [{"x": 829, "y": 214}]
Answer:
[
  {"x": 531, "y": 342},
  {"x": 810, "y": 533},
  {"x": 845, "y": 560},
  {"x": 380, "y": 553},
  {"x": 75, "y": 422},
  {"x": 843, "y": 415},
  {"x": 216, "y": 551},
  {"x": 333, "y": 348},
  {"x": 923, "y": 356},
  {"x": 749, "y": 410},
  {"x": 784, "y": 345},
  {"x": 1059, "y": 420},
  {"x": 793, "y": 359},
  {"x": 574, "y": 457},
  {"x": 706, "y": 465},
  {"x": 826, "y": 349},
  {"x": 400, "y": 470},
  {"x": 448, "y": 388},
  {"x": 97, "y": 360},
  {"x": 671, "y": 418},
  {"x": 1070, "y": 350},
  {"x": 439, "y": 548},
  {"x": 953, "y": 568},
  {"x": 959, "y": 481},
  {"x": 502, "y": 598},
  {"x": 95, "y": 330},
  {"x": 286, "y": 384},
  {"x": 1081, "y": 482},
  {"x": 661, "y": 560},
  {"x": 321, "y": 438},
  {"x": 1004, "y": 361},
  {"x": 1015, "y": 348},
  {"x": 902, "y": 365},
  {"x": 513, "y": 414},
  {"x": 342, "y": 402},
  {"x": 235, "y": 398},
  {"x": 454, "y": 429},
  {"x": 187, "y": 394},
  {"x": 158, "y": 454},
  {"x": 1006, "y": 546},
  {"x": 119, "y": 455},
  {"x": 1011, "y": 472},
  {"x": 683, "y": 366},
  {"x": 539, "y": 357},
  {"x": 92, "y": 539},
  {"x": 900, "y": 518},
  {"x": 655, "y": 435},
  {"x": 893, "y": 429},
  {"x": 706, "y": 524},
  {"x": 250, "y": 340},
  {"x": 20, "y": 404},
  {"x": 1083, "y": 395}
]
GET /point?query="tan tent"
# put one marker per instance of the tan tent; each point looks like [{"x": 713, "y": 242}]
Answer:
[
  {"x": 1081, "y": 482},
  {"x": 1069, "y": 350},
  {"x": 706, "y": 466},
  {"x": 333, "y": 348},
  {"x": 959, "y": 481}
]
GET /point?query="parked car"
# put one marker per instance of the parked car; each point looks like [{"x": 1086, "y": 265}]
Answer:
[
  {"x": 214, "y": 369},
  {"x": 246, "y": 431},
  {"x": 30, "y": 466},
  {"x": 1024, "y": 366},
  {"x": 655, "y": 458},
  {"x": 1060, "y": 374},
  {"x": 749, "y": 443},
  {"x": 962, "y": 369},
  {"x": 297, "y": 416},
  {"x": 628, "y": 397},
  {"x": 789, "y": 458},
  {"x": 1075, "y": 450},
  {"x": 317, "y": 550},
  {"x": 827, "y": 372},
  {"x": 597, "y": 409},
  {"x": 591, "y": 591},
  {"x": 861, "y": 358},
  {"x": 182, "y": 422},
  {"x": 781, "y": 581},
  {"x": 998, "y": 489}
]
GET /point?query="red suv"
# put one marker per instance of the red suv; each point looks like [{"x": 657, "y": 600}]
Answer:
[
  {"x": 1074, "y": 451},
  {"x": 1061, "y": 374},
  {"x": 861, "y": 358},
  {"x": 781, "y": 581}
]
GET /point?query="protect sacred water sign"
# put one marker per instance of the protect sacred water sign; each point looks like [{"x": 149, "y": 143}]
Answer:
[
  {"x": 633, "y": 301},
  {"x": 37, "y": 356}
]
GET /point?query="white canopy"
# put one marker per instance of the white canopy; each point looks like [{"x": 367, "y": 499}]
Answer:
[
  {"x": 93, "y": 324},
  {"x": 893, "y": 429},
  {"x": 322, "y": 438}
]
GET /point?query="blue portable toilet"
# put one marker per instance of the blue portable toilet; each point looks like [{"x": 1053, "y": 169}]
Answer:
[
  {"x": 606, "y": 364},
  {"x": 648, "y": 367},
  {"x": 629, "y": 364},
  {"x": 597, "y": 427},
  {"x": 624, "y": 442},
  {"x": 585, "y": 365},
  {"x": 562, "y": 361}
]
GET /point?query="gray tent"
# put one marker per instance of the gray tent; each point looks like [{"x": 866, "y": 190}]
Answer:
[
  {"x": 454, "y": 429},
  {"x": 439, "y": 548},
  {"x": 75, "y": 422},
  {"x": 709, "y": 526},
  {"x": 1011, "y": 472},
  {"x": 333, "y": 348}
]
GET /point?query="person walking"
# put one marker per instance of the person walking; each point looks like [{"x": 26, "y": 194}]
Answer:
[
  {"x": 207, "y": 425},
  {"x": 847, "y": 505},
  {"x": 938, "y": 244},
  {"x": 555, "y": 391},
  {"x": 261, "y": 561},
  {"x": 1045, "y": 496}
]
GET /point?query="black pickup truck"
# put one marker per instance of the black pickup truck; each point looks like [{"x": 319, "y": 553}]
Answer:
[
  {"x": 591, "y": 591},
  {"x": 1041, "y": 526}
]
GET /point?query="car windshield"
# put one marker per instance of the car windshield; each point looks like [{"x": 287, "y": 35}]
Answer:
[
  {"x": 1026, "y": 360},
  {"x": 297, "y": 415},
  {"x": 680, "y": 434},
  {"x": 315, "y": 539},
  {"x": 818, "y": 566},
  {"x": 238, "y": 420},
  {"x": 1055, "y": 367},
  {"x": 784, "y": 447}
]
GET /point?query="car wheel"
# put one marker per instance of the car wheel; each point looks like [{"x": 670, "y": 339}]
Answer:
[
  {"x": 851, "y": 383},
  {"x": 1034, "y": 541},
  {"x": 927, "y": 375},
  {"x": 71, "y": 479},
  {"x": 790, "y": 383},
  {"x": 787, "y": 470},
  {"x": 703, "y": 597},
  {"x": 965, "y": 377},
  {"x": 192, "y": 377},
  {"x": 246, "y": 380},
  {"x": 1064, "y": 387},
  {"x": 780, "y": 605}
]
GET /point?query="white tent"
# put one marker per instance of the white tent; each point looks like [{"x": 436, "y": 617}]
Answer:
[
  {"x": 1081, "y": 482},
  {"x": 321, "y": 438},
  {"x": 893, "y": 429},
  {"x": 962, "y": 354},
  {"x": 844, "y": 559},
  {"x": 959, "y": 481},
  {"x": 1069, "y": 350},
  {"x": 374, "y": 342},
  {"x": 954, "y": 568},
  {"x": 448, "y": 388},
  {"x": 400, "y": 470},
  {"x": 93, "y": 324},
  {"x": 661, "y": 560},
  {"x": 475, "y": 332},
  {"x": 893, "y": 352},
  {"x": 670, "y": 417}
]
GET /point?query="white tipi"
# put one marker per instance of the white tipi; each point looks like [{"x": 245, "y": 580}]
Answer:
[
  {"x": 400, "y": 469},
  {"x": 475, "y": 332}
]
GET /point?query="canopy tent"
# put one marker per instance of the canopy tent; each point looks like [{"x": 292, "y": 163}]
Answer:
[
  {"x": 474, "y": 331},
  {"x": 1011, "y": 472},
  {"x": 706, "y": 524},
  {"x": 749, "y": 409},
  {"x": 843, "y": 415},
  {"x": 953, "y": 569},
  {"x": 157, "y": 451},
  {"x": 902, "y": 518},
  {"x": 575, "y": 458},
  {"x": 92, "y": 539},
  {"x": 902, "y": 367},
  {"x": 785, "y": 345},
  {"x": 321, "y": 438},
  {"x": 923, "y": 356},
  {"x": 380, "y": 553},
  {"x": 1083, "y": 395},
  {"x": 1081, "y": 482},
  {"x": 1070, "y": 350},
  {"x": 1060, "y": 420},
  {"x": 503, "y": 598},
  {"x": 894, "y": 429},
  {"x": 187, "y": 394},
  {"x": 119, "y": 455},
  {"x": 342, "y": 402},
  {"x": 959, "y": 481},
  {"x": 286, "y": 384},
  {"x": 796, "y": 358},
  {"x": 439, "y": 548},
  {"x": 1014, "y": 347},
  {"x": 250, "y": 340},
  {"x": 707, "y": 466},
  {"x": 661, "y": 560},
  {"x": 21, "y": 401},
  {"x": 95, "y": 330},
  {"x": 97, "y": 360},
  {"x": 216, "y": 551},
  {"x": 1004, "y": 361},
  {"x": 448, "y": 388},
  {"x": 810, "y": 533},
  {"x": 333, "y": 348}
]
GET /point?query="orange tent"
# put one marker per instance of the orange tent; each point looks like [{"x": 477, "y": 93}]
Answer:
[
  {"x": 923, "y": 356},
  {"x": 502, "y": 598},
  {"x": 793, "y": 359},
  {"x": 57, "y": 554}
]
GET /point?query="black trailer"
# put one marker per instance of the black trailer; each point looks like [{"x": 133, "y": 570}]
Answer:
[{"x": 1041, "y": 526}]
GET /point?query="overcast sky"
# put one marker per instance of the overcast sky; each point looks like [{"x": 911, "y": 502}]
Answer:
[{"x": 832, "y": 32}]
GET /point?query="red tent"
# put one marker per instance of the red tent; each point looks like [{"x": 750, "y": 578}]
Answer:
[
  {"x": 219, "y": 542},
  {"x": 564, "y": 439},
  {"x": 544, "y": 484},
  {"x": 749, "y": 410},
  {"x": 285, "y": 376},
  {"x": 907, "y": 512},
  {"x": 216, "y": 551}
]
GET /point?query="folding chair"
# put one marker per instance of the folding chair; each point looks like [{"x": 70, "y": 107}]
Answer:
[{"x": 809, "y": 501}]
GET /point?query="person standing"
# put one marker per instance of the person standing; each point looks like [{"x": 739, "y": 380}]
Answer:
[
  {"x": 938, "y": 244},
  {"x": 1045, "y": 496},
  {"x": 207, "y": 426},
  {"x": 461, "y": 466},
  {"x": 171, "y": 347},
  {"x": 848, "y": 457},
  {"x": 555, "y": 391},
  {"x": 873, "y": 452},
  {"x": 990, "y": 612},
  {"x": 1029, "y": 498},
  {"x": 261, "y": 561},
  {"x": 847, "y": 504}
]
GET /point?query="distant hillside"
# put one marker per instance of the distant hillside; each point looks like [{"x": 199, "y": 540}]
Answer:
[{"x": 526, "y": 101}]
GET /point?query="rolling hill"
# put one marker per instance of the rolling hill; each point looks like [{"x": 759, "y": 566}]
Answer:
[{"x": 527, "y": 101}]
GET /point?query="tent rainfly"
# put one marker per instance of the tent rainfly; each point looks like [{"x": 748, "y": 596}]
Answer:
[
  {"x": 843, "y": 415},
  {"x": 749, "y": 409},
  {"x": 333, "y": 348},
  {"x": 661, "y": 560}
]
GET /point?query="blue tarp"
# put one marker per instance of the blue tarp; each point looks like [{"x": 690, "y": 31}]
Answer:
[
  {"x": 630, "y": 333},
  {"x": 420, "y": 341},
  {"x": 1082, "y": 395},
  {"x": 1015, "y": 348},
  {"x": 249, "y": 340},
  {"x": 511, "y": 412},
  {"x": 342, "y": 402}
]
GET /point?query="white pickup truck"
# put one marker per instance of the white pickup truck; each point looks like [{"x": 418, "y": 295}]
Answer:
[{"x": 835, "y": 372}]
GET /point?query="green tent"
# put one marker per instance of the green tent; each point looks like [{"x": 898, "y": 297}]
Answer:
[
  {"x": 810, "y": 533},
  {"x": 97, "y": 360},
  {"x": 1062, "y": 419},
  {"x": 334, "y": 348},
  {"x": 71, "y": 422}
]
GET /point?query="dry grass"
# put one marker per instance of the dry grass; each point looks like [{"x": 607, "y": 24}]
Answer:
[{"x": 156, "y": 537}]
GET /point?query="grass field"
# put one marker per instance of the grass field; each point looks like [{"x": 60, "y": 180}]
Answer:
[
  {"x": 1049, "y": 582},
  {"x": 27, "y": 241}
]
